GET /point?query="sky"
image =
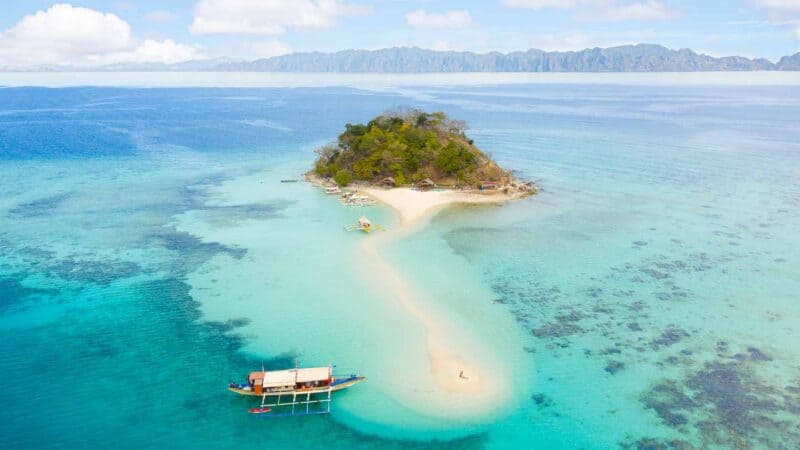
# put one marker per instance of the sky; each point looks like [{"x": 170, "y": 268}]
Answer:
[{"x": 97, "y": 32}]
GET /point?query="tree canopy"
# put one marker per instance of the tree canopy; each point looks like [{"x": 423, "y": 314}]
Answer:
[{"x": 408, "y": 146}]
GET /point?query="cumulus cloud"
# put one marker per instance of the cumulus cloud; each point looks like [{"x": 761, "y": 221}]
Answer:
[
  {"x": 152, "y": 51},
  {"x": 63, "y": 33},
  {"x": 267, "y": 17},
  {"x": 605, "y": 10},
  {"x": 449, "y": 19},
  {"x": 66, "y": 34}
]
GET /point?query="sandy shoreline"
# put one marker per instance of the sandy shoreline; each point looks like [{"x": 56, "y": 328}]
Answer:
[
  {"x": 461, "y": 376},
  {"x": 413, "y": 206}
]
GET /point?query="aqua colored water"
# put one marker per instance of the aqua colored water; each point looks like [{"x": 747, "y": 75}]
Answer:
[{"x": 647, "y": 298}]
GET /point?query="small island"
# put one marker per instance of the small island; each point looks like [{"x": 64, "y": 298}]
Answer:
[
  {"x": 412, "y": 148},
  {"x": 398, "y": 156},
  {"x": 418, "y": 163}
]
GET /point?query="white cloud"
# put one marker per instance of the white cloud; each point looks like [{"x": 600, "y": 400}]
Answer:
[
  {"x": 267, "y": 17},
  {"x": 449, "y": 19},
  {"x": 651, "y": 10},
  {"x": 604, "y": 10},
  {"x": 65, "y": 34},
  {"x": 159, "y": 15},
  {"x": 166, "y": 51}
]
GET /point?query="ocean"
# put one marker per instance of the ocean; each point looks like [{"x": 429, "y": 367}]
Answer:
[{"x": 647, "y": 297}]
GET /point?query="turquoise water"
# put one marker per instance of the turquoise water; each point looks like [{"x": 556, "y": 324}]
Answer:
[{"x": 647, "y": 298}]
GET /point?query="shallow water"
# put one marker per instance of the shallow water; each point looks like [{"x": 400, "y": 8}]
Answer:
[{"x": 648, "y": 296}]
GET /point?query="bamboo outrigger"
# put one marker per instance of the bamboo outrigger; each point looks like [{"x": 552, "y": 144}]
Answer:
[{"x": 312, "y": 386}]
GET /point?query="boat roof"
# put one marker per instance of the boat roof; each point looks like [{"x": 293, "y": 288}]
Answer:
[{"x": 276, "y": 378}]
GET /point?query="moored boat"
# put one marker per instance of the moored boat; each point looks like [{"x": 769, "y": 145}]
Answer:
[
  {"x": 305, "y": 386},
  {"x": 293, "y": 381},
  {"x": 364, "y": 225}
]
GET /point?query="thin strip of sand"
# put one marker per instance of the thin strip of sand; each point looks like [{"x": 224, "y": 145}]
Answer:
[{"x": 460, "y": 374}]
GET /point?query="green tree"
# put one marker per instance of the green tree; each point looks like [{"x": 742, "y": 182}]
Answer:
[{"x": 343, "y": 177}]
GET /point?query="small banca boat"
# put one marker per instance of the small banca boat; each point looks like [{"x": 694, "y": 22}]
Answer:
[
  {"x": 333, "y": 190},
  {"x": 364, "y": 225},
  {"x": 294, "y": 391},
  {"x": 259, "y": 410}
]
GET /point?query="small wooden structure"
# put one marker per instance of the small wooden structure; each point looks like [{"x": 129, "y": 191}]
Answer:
[
  {"x": 388, "y": 182},
  {"x": 486, "y": 185},
  {"x": 427, "y": 183}
]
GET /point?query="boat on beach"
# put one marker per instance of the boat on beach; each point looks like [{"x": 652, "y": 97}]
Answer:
[
  {"x": 305, "y": 386},
  {"x": 333, "y": 190},
  {"x": 350, "y": 198}
]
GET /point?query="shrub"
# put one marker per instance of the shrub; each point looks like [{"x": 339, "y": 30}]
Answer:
[{"x": 343, "y": 177}]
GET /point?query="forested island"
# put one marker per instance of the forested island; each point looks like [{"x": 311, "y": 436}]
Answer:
[{"x": 412, "y": 148}]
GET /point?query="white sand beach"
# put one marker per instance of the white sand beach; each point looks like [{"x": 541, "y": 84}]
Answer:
[
  {"x": 412, "y": 206},
  {"x": 463, "y": 378}
]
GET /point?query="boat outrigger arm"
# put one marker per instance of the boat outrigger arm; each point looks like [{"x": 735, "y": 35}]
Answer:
[{"x": 306, "y": 387}]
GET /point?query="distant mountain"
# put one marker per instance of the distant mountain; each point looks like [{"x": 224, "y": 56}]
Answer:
[
  {"x": 789, "y": 62},
  {"x": 186, "y": 66},
  {"x": 627, "y": 58}
]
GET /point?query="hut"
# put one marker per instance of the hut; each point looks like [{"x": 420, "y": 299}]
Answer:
[
  {"x": 488, "y": 185},
  {"x": 427, "y": 183},
  {"x": 388, "y": 182}
]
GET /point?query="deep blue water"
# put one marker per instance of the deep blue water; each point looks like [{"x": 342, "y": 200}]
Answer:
[{"x": 655, "y": 278}]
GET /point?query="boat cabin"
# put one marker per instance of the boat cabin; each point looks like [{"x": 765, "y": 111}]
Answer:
[{"x": 291, "y": 380}]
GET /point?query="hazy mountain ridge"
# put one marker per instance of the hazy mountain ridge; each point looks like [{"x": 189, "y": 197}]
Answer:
[{"x": 626, "y": 58}]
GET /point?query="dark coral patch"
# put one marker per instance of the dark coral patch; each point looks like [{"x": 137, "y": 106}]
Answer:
[
  {"x": 40, "y": 207},
  {"x": 668, "y": 337},
  {"x": 614, "y": 366},
  {"x": 556, "y": 330}
]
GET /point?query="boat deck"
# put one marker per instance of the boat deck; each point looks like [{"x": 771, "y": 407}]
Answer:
[{"x": 337, "y": 385}]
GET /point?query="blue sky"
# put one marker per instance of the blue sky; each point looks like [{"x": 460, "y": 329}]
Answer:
[{"x": 100, "y": 32}]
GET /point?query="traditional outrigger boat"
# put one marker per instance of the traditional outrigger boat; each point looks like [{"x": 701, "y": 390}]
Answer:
[
  {"x": 352, "y": 198},
  {"x": 310, "y": 386},
  {"x": 364, "y": 225}
]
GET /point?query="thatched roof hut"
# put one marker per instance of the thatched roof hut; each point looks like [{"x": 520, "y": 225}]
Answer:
[
  {"x": 388, "y": 182},
  {"x": 427, "y": 183}
]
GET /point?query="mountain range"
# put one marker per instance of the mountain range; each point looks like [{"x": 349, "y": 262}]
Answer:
[{"x": 626, "y": 58}]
